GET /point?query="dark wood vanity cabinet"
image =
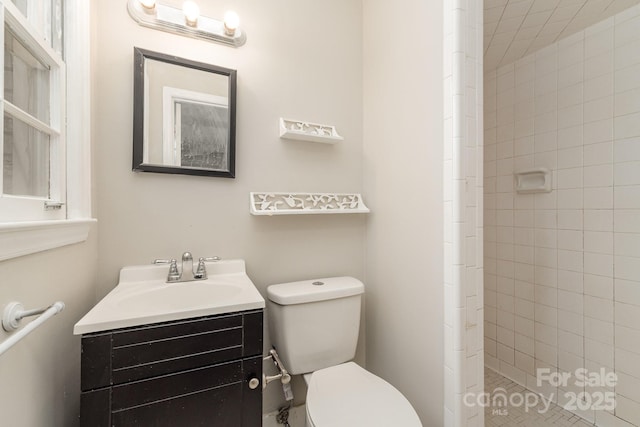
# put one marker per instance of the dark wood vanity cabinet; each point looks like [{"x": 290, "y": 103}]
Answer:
[{"x": 191, "y": 372}]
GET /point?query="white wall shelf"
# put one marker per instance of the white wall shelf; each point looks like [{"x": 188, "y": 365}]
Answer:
[
  {"x": 306, "y": 203},
  {"x": 306, "y": 131}
]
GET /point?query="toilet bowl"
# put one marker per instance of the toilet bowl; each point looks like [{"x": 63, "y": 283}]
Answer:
[
  {"x": 350, "y": 396},
  {"x": 314, "y": 327}
]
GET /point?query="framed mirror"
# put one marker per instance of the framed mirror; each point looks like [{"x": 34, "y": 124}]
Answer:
[{"x": 184, "y": 116}]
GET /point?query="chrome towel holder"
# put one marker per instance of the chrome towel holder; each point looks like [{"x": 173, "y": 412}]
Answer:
[{"x": 14, "y": 312}]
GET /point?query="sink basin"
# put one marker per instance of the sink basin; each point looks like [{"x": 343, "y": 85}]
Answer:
[
  {"x": 143, "y": 297},
  {"x": 171, "y": 297}
]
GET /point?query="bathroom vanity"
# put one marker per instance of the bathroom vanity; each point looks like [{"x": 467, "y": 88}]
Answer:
[{"x": 192, "y": 357}]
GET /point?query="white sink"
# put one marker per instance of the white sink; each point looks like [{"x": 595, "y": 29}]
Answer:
[{"x": 143, "y": 297}]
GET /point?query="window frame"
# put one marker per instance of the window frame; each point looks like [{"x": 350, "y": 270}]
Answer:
[
  {"x": 27, "y": 234},
  {"x": 33, "y": 208}
]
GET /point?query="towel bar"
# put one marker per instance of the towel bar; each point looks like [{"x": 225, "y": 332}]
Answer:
[{"x": 14, "y": 312}]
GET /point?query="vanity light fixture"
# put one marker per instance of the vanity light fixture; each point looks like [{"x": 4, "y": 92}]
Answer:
[
  {"x": 149, "y": 5},
  {"x": 187, "y": 21},
  {"x": 191, "y": 13},
  {"x": 231, "y": 23}
]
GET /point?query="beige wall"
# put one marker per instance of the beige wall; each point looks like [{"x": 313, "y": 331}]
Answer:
[
  {"x": 403, "y": 185},
  {"x": 292, "y": 67},
  {"x": 40, "y": 375}
]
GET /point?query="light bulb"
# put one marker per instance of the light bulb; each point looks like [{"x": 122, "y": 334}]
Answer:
[
  {"x": 191, "y": 12},
  {"x": 231, "y": 23},
  {"x": 148, "y": 4}
]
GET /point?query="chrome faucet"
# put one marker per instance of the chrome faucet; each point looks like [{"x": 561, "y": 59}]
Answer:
[
  {"x": 186, "y": 273},
  {"x": 187, "y": 268}
]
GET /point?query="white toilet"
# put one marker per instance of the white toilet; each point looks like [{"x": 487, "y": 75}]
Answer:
[{"x": 314, "y": 327}]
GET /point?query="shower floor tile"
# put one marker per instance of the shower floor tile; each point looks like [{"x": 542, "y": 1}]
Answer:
[{"x": 515, "y": 416}]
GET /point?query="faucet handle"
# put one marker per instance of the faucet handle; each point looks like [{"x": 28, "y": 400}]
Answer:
[
  {"x": 201, "y": 271},
  {"x": 174, "y": 274}
]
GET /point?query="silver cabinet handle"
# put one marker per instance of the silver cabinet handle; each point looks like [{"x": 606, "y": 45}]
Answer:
[{"x": 254, "y": 383}]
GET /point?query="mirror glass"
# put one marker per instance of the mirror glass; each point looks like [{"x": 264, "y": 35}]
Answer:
[{"x": 184, "y": 116}]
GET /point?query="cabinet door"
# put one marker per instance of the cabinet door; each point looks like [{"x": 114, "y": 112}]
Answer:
[
  {"x": 252, "y": 398},
  {"x": 212, "y": 396},
  {"x": 193, "y": 372},
  {"x": 220, "y": 406}
]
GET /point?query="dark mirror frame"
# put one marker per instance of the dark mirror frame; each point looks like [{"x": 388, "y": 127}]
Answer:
[{"x": 140, "y": 55}]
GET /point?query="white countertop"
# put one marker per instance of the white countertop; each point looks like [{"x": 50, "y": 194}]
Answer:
[{"x": 143, "y": 297}]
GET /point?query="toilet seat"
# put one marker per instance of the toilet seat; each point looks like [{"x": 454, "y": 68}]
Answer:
[{"x": 348, "y": 395}]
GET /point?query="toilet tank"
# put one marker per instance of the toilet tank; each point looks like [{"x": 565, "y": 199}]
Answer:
[{"x": 314, "y": 324}]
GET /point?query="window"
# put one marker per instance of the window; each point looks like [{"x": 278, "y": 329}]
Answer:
[
  {"x": 33, "y": 143},
  {"x": 44, "y": 134}
]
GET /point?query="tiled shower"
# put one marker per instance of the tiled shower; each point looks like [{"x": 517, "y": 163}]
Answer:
[{"x": 562, "y": 268}]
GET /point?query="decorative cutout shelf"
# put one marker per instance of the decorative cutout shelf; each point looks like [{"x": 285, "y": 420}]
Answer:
[
  {"x": 305, "y": 203},
  {"x": 306, "y": 131},
  {"x": 536, "y": 180}
]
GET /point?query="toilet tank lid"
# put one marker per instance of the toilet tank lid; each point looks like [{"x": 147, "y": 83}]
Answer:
[{"x": 314, "y": 290}]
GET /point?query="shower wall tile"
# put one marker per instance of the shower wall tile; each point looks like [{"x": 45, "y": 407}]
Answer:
[
  {"x": 627, "y": 268},
  {"x": 598, "y": 220},
  {"x": 627, "y": 173},
  {"x": 564, "y": 285},
  {"x": 627, "y": 197},
  {"x": 570, "y": 219},
  {"x": 571, "y": 343},
  {"x": 627, "y": 102},
  {"x": 627, "y": 244},
  {"x": 571, "y": 322},
  {"x": 598, "y": 286},
  {"x": 598, "y": 175},
  {"x": 600, "y": 353},
  {"x": 626, "y": 362},
  {"x": 627, "y": 221},
  {"x": 628, "y": 410},
  {"x": 598, "y": 264},
  {"x": 572, "y": 281},
  {"x": 598, "y": 308},
  {"x": 598, "y": 198},
  {"x": 628, "y": 387},
  {"x": 627, "y": 315},
  {"x": 597, "y": 154}
]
